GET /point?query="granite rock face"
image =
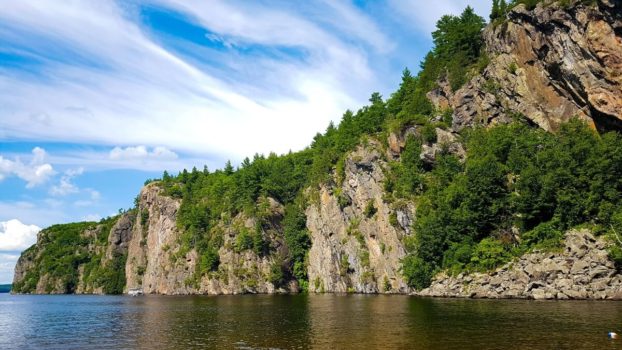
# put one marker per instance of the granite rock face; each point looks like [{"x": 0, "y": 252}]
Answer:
[
  {"x": 356, "y": 246},
  {"x": 559, "y": 61},
  {"x": 157, "y": 264},
  {"x": 550, "y": 64}
]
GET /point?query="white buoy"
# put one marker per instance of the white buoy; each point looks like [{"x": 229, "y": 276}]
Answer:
[{"x": 612, "y": 335}]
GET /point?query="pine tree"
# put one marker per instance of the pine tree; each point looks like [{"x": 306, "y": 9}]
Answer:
[
  {"x": 228, "y": 168},
  {"x": 494, "y": 14},
  {"x": 503, "y": 8}
]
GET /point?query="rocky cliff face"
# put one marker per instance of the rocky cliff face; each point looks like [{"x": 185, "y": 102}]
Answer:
[
  {"x": 357, "y": 240},
  {"x": 356, "y": 245},
  {"x": 558, "y": 61},
  {"x": 93, "y": 248},
  {"x": 157, "y": 263},
  {"x": 549, "y": 64}
]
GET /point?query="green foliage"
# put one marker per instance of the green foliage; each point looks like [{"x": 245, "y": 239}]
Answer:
[
  {"x": 499, "y": 10},
  {"x": 112, "y": 276},
  {"x": 208, "y": 197},
  {"x": 364, "y": 258},
  {"x": 405, "y": 178},
  {"x": 144, "y": 217},
  {"x": 297, "y": 240},
  {"x": 386, "y": 284},
  {"x": 457, "y": 53},
  {"x": 544, "y": 236},
  {"x": 344, "y": 265},
  {"x": 489, "y": 253},
  {"x": 514, "y": 176},
  {"x": 342, "y": 199},
  {"x": 418, "y": 272},
  {"x": 458, "y": 44},
  {"x": 277, "y": 275},
  {"x": 615, "y": 247},
  {"x": 210, "y": 261},
  {"x": 513, "y": 67},
  {"x": 457, "y": 257},
  {"x": 260, "y": 245},
  {"x": 370, "y": 209},
  {"x": 428, "y": 133},
  {"x": 243, "y": 240},
  {"x": 66, "y": 249}
]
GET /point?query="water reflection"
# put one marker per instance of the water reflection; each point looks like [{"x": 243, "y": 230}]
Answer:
[{"x": 301, "y": 322}]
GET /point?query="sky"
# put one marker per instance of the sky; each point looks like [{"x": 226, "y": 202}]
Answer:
[{"x": 96, "y": 96}]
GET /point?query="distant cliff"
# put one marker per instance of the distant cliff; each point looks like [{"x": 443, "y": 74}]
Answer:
[{"x": 406, "y": 195}]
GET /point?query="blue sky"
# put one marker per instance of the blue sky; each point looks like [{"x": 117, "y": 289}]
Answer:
[{"x": 97, "y": 96}]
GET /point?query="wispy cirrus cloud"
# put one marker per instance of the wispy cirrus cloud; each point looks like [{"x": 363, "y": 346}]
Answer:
[
  {"x": 422, "y": 15},
  {"x": 142, "y": 152},
  {"x": 97, "y": 63}
]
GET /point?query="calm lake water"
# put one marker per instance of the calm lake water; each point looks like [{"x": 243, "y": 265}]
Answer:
[{"x": 303, "y": 321}]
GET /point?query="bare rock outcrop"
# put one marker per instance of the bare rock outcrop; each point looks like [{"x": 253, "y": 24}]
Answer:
[
  {"x": 558, "y": 61},
  {"x": 357, "y": 247},
  {"x": 157, "y": 263}
]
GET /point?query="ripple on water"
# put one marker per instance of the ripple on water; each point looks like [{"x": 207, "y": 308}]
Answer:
[{"x": 303, "y": 321}]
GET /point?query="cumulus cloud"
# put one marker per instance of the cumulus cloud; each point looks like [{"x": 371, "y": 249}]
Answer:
[
  {"x": 16, "y": 236},
  {"x": 35, "y": 172},
  {"x": 142, "y": 152}
]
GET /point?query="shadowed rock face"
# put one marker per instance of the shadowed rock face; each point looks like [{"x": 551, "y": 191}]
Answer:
[{"x": 549, "y": 64}]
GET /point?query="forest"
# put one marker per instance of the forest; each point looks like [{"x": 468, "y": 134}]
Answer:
[{"x": 519, "y": 189}]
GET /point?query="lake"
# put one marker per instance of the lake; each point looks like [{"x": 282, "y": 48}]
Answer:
[{"x": 303, "y": 321}]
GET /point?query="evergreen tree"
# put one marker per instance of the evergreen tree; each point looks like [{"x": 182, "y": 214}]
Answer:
[
  {"x": 503, "y": 8},
  {"x": 228, "y": 168},
  {"x": 494, "y": 14}
]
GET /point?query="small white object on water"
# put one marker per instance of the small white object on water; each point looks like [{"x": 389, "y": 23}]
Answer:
[
  {"x": 612, "y": 335},
  {"x": 135, "y": 292}
]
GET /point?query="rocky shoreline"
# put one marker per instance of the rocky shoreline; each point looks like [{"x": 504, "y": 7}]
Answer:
[{"x": 581, "y": 270}]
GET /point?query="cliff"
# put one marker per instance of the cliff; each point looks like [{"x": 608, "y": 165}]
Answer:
[
  {"x": 558, "y": 61},
  {"x": 394, "y": 202}
]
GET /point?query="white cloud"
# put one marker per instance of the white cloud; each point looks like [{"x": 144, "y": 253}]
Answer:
[
  {"x": 7, "y": 267},
  {"x": 246, "y": 103},
  {"x": 142, "y": 152},
  {"x": 15, "y": 236},
  {"x": 41, "y": 213},
  {"x": 423, "y": 15},
  {"x": 35, "y": 172},
  {"x": 92, "y": 217},
  {"x": 65, "y": 186},
  {"x": 95, "y": 195}
]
